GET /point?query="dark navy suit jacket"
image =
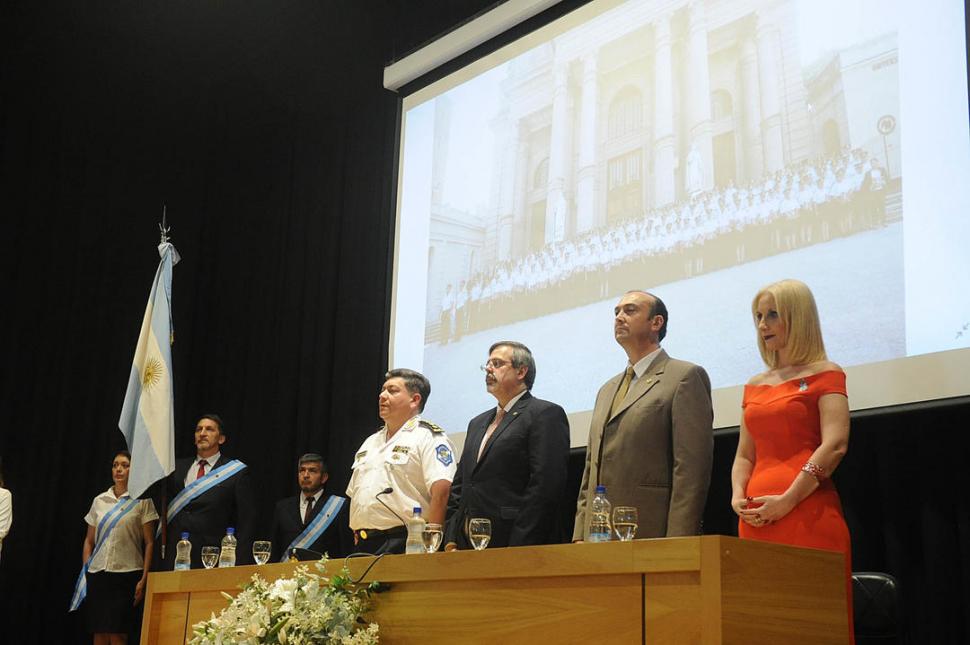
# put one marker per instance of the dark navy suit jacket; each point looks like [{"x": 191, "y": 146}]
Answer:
[
  {"x": 229, "y": 503},
  {"x": 519, "y": 481},
  {"x": 337, "y": 541}
]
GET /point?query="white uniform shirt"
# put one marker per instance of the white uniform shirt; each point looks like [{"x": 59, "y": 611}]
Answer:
[
  {"x": 6, "y": 513},
  {"x": 124, "y": 549},
  {"x": 413, "y": 459},
  {"x": 447, "y": 302}
]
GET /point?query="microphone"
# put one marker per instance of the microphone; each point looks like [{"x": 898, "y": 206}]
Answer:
[
  {"x": 387, "y": 491},
  {"x": 303, "y": 555}
]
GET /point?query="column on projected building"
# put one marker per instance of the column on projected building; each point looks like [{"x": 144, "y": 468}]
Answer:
[
  {"x": 751, "y": 95},
  {"x": 586, "y": 184},
  {"x": 768, "y": 79},
  {"x": 507, "y": 148},
  {"x": 663, "y": 125},
  {"x": 556, "y": 206},
  {"x": 698, "y": 84}
]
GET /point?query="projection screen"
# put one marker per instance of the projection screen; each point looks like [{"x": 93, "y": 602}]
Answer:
[{"x": 698, "y": 150}]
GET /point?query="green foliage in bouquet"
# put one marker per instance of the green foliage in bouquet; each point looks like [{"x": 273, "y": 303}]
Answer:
[{"x": 305, "y": 608}]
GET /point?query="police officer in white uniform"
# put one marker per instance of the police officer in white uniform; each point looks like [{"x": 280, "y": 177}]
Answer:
[{"x": 410, "y": 456}]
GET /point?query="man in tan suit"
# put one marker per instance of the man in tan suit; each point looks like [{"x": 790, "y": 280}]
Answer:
[{"x": 651, "y": 438}]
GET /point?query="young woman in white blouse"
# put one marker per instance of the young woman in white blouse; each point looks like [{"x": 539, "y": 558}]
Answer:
[{"x": 118, "y": 571}]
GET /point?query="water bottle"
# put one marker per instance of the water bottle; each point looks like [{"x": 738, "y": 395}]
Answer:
[
  {"x": 415, "y": 541},
  {"x": 599, "y": 524},
  {"x": 183, "y": 554},
  {"x": 227, "y": 554}
]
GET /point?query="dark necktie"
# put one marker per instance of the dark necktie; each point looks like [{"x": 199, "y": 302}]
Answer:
[
  {"x": 202, "y": 465},
  {"x": 623, "y": 389},
  {"x": 309, "y": 511}
]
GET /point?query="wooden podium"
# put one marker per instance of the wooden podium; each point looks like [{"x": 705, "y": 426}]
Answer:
[{"x": 707, "y": 590}]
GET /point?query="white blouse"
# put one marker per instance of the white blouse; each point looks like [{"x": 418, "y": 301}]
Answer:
[
  {"x": 124, "y": 549},
  {"x": 6, "y": 513}
]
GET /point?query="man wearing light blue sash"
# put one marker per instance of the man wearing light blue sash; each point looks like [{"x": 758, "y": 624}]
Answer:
[
  {"x": 311, "y": 522},
  {"x": 208, "y": 494}
]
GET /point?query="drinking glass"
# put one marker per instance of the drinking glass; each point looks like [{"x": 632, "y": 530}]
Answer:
[
  {"x": 432, "y": 537},
  {"x": 479, "y": 532},
  {"x": 625, "y": 522},
  {"x": 261, "y": 551},
  {"x": 210, "y": 556}
]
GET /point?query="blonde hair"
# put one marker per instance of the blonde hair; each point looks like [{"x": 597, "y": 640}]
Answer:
[{"x": 795, "y": 305}]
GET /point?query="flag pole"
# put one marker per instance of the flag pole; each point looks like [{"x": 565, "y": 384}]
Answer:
[{"x": 163, "y": 229}]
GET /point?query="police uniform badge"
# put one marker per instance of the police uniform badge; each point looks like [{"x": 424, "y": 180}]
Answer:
[
  {"x": 399, "y": 455},
  {"x": 443, "y": 453}
]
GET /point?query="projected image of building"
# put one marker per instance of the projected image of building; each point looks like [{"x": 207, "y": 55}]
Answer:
[{"x": 658, "y": 142}]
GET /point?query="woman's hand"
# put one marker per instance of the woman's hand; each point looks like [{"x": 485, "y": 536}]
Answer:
[
  {"x": 738, "y": 504},
  {"x": 766, "y": 509},
  {"x": 139, "y": 592}
]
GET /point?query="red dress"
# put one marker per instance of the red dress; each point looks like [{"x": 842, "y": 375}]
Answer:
[{"x": 783, "y": 421}]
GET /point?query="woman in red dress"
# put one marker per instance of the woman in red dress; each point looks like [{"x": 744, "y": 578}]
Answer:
[{"x": 794, "y": 431}]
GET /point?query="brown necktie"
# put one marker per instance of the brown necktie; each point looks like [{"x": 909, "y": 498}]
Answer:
[
  {"x": 623, "y": 389},
  {"x": 499, "y": 415},
  {"x": 309, "y": 510}
]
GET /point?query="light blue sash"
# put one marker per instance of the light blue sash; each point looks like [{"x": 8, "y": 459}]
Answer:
[
  {"x": 105, "y": 526},
  {"x": 200, "y": 486},
  {"x": 317, "y": 525}
]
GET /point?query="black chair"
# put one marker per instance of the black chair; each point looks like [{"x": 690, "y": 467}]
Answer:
[{"x": 875, "y": 608}]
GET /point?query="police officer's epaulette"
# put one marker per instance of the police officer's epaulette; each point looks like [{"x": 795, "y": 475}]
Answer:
[{"x": 433, "y": 427}]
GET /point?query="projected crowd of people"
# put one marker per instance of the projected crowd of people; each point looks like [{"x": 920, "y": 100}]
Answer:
[{"x": 806, "y": 203}]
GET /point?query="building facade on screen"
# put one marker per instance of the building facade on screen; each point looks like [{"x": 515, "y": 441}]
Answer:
[{"x": 639, "y": 130}]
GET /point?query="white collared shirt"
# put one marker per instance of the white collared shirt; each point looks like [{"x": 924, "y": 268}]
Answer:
[
  {"x": 409, "y": 462},
  {"x": 513, "y": 400},
  {"x": 193, "y": 471},
  {"x": 640, "y": 367},
  {"x": 303, "y": 504},
  {"x": 124, "y": 548}
]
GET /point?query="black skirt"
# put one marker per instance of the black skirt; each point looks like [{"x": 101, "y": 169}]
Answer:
[{"x": 108, "y": 605}]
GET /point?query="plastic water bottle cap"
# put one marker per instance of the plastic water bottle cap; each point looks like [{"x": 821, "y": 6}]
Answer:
[
  {"x": 417, "y": 510},
  {"x": 185, "y": 535},
  {"x": 230, "y": 531},
  {"x": 601, "y": 490}
]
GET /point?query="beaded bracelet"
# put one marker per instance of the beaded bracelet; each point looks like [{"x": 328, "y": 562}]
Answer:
[{"x": 814, "y": 470}]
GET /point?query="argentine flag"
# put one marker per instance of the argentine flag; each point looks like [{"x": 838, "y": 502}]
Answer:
[{"x": 148, "y": 415}]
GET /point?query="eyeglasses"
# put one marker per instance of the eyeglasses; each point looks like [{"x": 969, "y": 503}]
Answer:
[{"x": 495, "y": 363}]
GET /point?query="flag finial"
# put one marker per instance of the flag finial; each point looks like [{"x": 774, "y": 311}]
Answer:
[{"x": 163, "y": 227}]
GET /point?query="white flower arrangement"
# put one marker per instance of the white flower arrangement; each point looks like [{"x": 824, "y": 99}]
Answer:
[{"x": 303, "y": 609}]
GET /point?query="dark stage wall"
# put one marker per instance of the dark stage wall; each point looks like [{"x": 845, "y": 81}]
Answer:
[{"x": 264, "y": 128}]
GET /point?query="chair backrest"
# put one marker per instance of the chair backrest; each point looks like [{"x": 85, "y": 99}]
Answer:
[{"x": 875, "y": 605}]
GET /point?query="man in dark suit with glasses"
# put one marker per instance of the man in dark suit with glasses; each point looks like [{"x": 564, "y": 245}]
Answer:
[{"x": 513, "y": 465}]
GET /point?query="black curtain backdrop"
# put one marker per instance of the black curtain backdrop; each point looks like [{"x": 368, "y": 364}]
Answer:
[{"x": 264, "y": 127}]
